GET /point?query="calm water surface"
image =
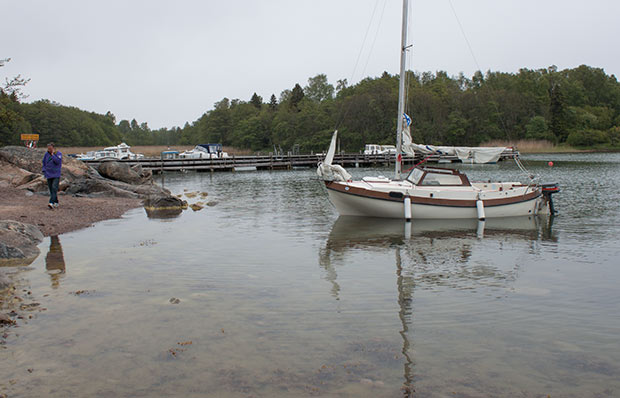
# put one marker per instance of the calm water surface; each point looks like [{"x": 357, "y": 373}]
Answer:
[{"x": 280, "y": 297}]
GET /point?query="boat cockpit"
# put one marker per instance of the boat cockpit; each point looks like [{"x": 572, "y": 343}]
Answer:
[{"x": 434, "y": 176}]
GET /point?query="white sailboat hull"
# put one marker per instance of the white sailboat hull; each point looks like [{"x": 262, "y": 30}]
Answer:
[{"x": 355, "y": 204}]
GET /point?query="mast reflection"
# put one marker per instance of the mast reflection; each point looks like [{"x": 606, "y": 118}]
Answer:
[{"x": 404, "y": 284}]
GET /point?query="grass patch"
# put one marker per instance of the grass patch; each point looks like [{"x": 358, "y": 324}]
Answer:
[{"x": 535, "y": 146}]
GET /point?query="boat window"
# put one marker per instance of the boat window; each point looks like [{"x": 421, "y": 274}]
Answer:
[
  {"x": 441, "y": 179},
  {"x": 415, "y": 176}
]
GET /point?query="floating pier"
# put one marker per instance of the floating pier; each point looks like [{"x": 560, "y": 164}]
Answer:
[{"x": 282, "y": 162}]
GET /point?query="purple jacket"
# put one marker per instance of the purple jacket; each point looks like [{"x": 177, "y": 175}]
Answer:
[{"x": 52, "y": 165}]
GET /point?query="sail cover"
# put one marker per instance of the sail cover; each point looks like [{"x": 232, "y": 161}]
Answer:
[
  {"x": 332, "y": 172},
  {"x": 464, "y": 153}
]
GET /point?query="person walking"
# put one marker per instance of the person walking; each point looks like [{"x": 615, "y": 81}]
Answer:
[{"x": 52, "y": 163}]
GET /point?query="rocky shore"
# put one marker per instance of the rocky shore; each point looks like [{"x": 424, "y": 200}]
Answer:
[
  {"x": 73, "y": 213},
  {"x": 86, "y": 195}
]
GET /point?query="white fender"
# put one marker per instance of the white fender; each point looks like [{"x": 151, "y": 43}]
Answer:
[
  {"x": 480, "y": 208},
  {"x": 408, "y": 209}
]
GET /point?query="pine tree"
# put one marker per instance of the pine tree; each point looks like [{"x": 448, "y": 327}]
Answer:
[
  {"x": 557, "y": 109},
  {"x": 273, "y": 102},
  {"x": 256, "y": 100},
  {"x": 296, "y": 96}
]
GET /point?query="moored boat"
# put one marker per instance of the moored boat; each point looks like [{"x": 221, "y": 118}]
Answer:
[
  {"x": 431, "y": 193},
  {"x": 205, "y": 151},
  {"x": 121, "y": 151},
  {"x": 118, "y": 152},
  {"x": 436, "y": 193}
]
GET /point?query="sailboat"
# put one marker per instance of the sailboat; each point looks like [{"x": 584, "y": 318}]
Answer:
[{"x": 429, "y": 192}]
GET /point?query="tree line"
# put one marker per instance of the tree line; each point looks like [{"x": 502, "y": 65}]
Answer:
[{"x": 579, "y": 107}]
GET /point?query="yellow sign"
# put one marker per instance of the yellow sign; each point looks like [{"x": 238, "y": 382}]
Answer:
[{"x": 30, "y": 137}]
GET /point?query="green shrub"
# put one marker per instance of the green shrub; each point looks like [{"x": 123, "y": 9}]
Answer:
[
  {"x": 614, "y": 135},
  {"x": 588, "y": 137}
]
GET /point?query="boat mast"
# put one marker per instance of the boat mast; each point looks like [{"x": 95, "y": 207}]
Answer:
[{"x": 401, "y": 90}]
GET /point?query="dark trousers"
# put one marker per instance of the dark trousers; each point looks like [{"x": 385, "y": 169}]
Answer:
[{"x": 52, "y": 184}]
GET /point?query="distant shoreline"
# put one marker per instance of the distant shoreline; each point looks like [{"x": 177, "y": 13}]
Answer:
[
  {"x": 542, "y": 146},
  {"x": 523, "y": 146},
  {"x": 565, "y": 150}
]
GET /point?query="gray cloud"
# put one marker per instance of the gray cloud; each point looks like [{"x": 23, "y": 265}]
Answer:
[{"x": 168, "y": 62}]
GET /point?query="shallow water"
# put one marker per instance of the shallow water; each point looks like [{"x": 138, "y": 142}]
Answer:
[{"x": 280, "y": 297}]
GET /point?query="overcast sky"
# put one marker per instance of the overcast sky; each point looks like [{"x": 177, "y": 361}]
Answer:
[{"x": 167, "y": 62}]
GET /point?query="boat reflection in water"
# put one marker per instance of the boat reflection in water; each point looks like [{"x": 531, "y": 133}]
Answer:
[
  {"x": 363, "y": 230},
  {"x": 431, "y": 254}
]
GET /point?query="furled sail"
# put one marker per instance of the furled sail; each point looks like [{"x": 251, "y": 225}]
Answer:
[
  {"x": 408, "y": 145},
  {"x": 332, "y": 172},
  {"x": 464, "y": 153}
]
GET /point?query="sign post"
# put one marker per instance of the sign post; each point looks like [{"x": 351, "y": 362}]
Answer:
[{"x": 30, "y": 140}]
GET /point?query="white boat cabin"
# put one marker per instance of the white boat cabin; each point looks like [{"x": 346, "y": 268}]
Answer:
[
  {"x": 205, "y": 151},
  {"x": 122, "y": 152},
  {"x": 376, "y": 149}
]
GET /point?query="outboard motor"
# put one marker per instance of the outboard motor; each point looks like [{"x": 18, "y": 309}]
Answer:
[{"x": 548, "y": 189}]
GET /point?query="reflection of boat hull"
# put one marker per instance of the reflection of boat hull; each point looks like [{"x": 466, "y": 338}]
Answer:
[
  {"x": 355, "y": 202},
  {"x": 349, "y": 232},
  {"x": 356, "y": 227}
]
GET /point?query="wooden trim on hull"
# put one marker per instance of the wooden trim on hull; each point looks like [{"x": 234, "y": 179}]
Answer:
[{"x": 366, "y": 193}]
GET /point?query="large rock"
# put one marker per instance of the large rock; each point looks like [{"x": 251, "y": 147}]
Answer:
[
  {"x": 164, "y": 202},
  {"x": 15, "y": 176},
  {"x": 146, "y": 175},
  {"x": 21, "y": 167},
  {"x": 19, "y": 240},
  {"x": 119, "y": 172},
  {"x": 39, "y": 184},
  {"x": 97, "y": 188},
  {"x": 163, "y": 206},
  {"x": 32, "y": 161}
]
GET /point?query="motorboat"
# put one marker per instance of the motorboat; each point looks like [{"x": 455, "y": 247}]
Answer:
[
  {"x": 430, "y": 192},
  {"x": 375, "y": 149},
  {"x": 90, "y": 155},
  {"x": 388, "y": 149},
  {"x": 122, "y": 152},
  {"x": 104, "y": 155},
  {"x": 205, "y": 151},
  {"x": 167, "y": 155},
  {"x": 118, "y": 152}
]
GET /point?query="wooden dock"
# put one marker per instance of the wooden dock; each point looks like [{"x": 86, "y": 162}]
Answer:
[{"x": 282, "y": 162}]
